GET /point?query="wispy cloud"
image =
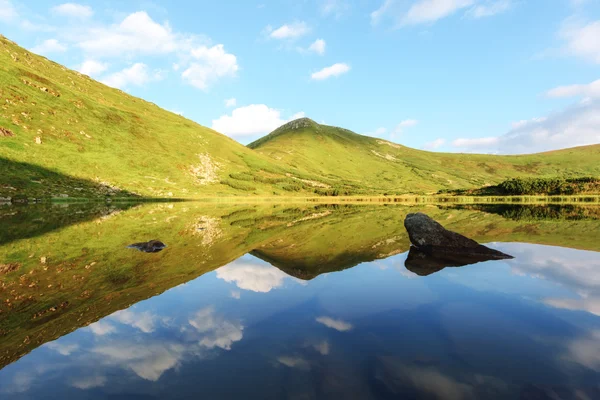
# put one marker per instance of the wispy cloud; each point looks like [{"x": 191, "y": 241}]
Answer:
[
  {"x": 331, "y": 71},
  {"x": 73, "y": 10},
  {"x": 49, "y": 46},
  {"x": 289, "y": 31},
  {"x": 337, "y": 324}
]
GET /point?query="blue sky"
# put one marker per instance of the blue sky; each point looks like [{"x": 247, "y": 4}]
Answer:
[{"x": 498, "y": 76}]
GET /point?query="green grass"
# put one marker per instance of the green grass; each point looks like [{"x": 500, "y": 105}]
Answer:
[
  {"x": 94, "y": 134},
  {"x": 77, "y": 137},
  {"x": 357, "y": 164}
]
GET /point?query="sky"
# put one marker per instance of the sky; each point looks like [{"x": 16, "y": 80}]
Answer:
[{"x": 490, "y": 76}]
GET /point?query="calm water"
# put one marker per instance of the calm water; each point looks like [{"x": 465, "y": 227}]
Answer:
[{"x": 295, "y": 302}]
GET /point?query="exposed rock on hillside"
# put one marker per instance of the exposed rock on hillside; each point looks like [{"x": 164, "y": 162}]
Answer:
[{"x": 435, "y": 247}]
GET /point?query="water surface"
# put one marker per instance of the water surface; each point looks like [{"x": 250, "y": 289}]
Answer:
[{"x": 303, "y": 302}]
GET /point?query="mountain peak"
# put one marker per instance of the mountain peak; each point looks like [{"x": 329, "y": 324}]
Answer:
[{"x": 299, "y": 123}]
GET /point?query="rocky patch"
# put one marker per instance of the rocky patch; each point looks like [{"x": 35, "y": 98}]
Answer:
[
  {"x": 5, "y": 132},
  {"x": 152, "y": 246},
  {"x": 206, "y": 171}
]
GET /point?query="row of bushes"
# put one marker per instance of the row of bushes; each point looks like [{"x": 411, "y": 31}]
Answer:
[{"x": 549, "y": 186}]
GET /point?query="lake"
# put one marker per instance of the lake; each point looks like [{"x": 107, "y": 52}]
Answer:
[{"x": 295, "y": 301}]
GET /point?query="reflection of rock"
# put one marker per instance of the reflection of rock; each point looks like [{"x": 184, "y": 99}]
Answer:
[
  {"x": 153, "y": 246},
  {"x": 437, "y": 247},
  {"x": 425, "y": 263}
]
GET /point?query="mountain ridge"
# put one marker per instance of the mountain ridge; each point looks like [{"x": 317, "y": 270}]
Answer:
[{"x": 82, "y": 139}]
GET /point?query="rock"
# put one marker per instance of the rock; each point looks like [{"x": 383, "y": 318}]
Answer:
[
  {"x": 5, "y": 132},
  {"x": 152, "y": 246},
  {"x": 426, "y": 263},
  {"x": 431, "y": 238},
  {"x": 10, "y": 267}
]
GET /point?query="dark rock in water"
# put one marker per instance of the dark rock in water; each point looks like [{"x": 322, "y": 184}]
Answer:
[
  {"x": 426, "y": 263},
  {"x": 153, "y": 246},
  {"x": 436, "y": 247}
]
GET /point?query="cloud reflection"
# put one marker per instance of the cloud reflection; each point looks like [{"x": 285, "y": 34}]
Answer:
[
  {"x": 217, "y": 331},
  {"x": 252, "y": 276},
  {"x": 336, "y": 324}
]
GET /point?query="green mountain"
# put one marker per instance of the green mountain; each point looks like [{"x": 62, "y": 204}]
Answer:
[
  {"x": 62, "y": 134},
  {"x": 355, "y": 161}
]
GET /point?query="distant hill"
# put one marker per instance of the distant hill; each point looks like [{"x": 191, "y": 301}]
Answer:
[{"x": 334, "y": 154}]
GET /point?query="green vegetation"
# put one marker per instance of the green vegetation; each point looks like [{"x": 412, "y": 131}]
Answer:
[
  {"x": 535, "y": 186},
  {"x": 63, "y": 134},
  {"x": 353, "y": 164}
]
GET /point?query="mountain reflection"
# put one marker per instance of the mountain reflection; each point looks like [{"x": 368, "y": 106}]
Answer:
[{"x": 310, "y": 301}]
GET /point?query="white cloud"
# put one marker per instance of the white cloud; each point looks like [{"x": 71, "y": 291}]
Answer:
[
  {"x": 489, "y": 8},
  {"x": 49, "y": 46},
  {"x": 209, "y": 65},
  {"x": 407, "y": 123},
  {"x": 289, "y": 31},
  {"x": 137, "y": 75},
  {"x": 101, "y": 328},
  {"x": 327, "y": 72},
  {"x": 379, "y": 132},
  {"x": 434, "y": 144},
  {"x": 300, "y": 114},
  {"x": 73, "y": 10},
  {"x": 333, "y": 7},
  {"x": 253, "y": 277},
  {"x": 318, "y": 46},
  {"x": 574, "y": 126},
  {"x": 217, "y": 331},
  {"x": 63, "y": 349},
  {"x": 426, "y": 11},
  {"x": 92, "y": 67},
  {"x": 89, "y": 382},
  {"x": 250, "y": 120},
  {"x": 378, "y": 14},
  {"x": 230, "y": 102},
  {"x": 136, "y": 34},
  {"x": 582, "y": 39},
  {"x": 144, "y": 321},
  {"x": 336, "y": 324},
  {"x": 34, "y": 26},
  {"x": 587, "y": 90},
  {"x": 8, "y": 12},
  {"x": 236, "y": 294},
  {"x": 176, "y": 112},
  {"x": 476, "y": 143}
]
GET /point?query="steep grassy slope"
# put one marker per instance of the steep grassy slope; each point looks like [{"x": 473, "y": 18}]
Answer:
[
  {"x": 84, "y": 137},
  {"x": 352, "y": 163}
]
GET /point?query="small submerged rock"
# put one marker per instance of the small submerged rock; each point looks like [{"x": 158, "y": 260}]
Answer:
[
  {"x": 435, "y": 247},
  {"x": 152, "y": 246}
]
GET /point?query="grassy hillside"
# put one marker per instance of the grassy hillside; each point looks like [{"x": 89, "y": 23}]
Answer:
[
  {"x": 349, "y": 162},
  {"x": 62, "y": 133}
]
